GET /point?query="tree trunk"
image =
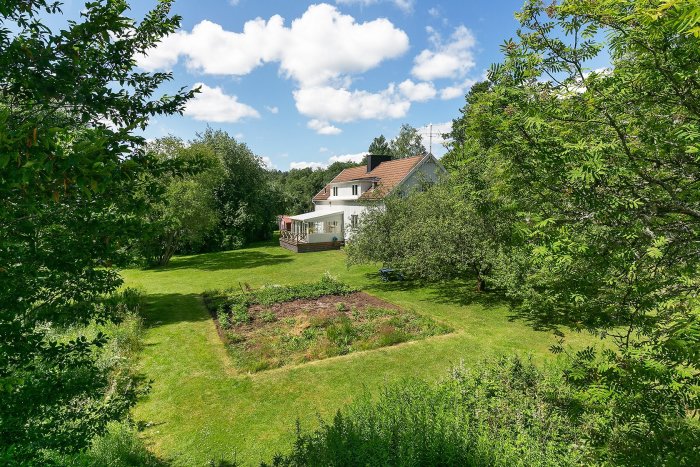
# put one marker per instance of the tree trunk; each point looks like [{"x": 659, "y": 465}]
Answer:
[{"x": 480, "y": 284}]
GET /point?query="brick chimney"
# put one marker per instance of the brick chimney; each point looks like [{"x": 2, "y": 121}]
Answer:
[{"x": 374, "y": 160}]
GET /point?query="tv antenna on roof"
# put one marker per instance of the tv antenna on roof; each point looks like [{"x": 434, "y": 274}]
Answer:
[{"x": 431, "y": 138}]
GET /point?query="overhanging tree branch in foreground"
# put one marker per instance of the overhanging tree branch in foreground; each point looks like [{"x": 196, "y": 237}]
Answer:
[{"x": 70, "y": 103}]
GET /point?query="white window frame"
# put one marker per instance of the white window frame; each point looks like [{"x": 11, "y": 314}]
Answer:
[
  {"x": 354, "y": 220},
  {"x": 355, "y": 190},
  {"x": 335, "y": 191}
]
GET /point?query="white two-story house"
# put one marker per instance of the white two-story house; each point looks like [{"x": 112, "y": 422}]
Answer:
[{"x": 339, "y": 206}]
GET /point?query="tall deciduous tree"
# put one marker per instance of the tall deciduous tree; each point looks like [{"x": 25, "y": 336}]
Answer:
[
  {"x": 379, "y": 146},
  {"x": 181, "y": 209},
  {"x": 70, "y": 102},
  {"x": 604, "y": 166},
  {"x": 245, "y": 199},
  {"x": 408, "y": 143},
  {"x": 446, "y": 232}
]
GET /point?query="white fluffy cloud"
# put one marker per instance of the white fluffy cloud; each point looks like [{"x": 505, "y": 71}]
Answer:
[
  {"x": 340, "y": 105},
  {"x": 451, "y": 59},
  {"x": 320, "y": 50},
  {"x": 348, "y": 157},
  {"x": 273, "y": 109},
  {"x": 213, "y": 105},
  {"x": 322, "y": 165},
  {"x": 320, "y": 46},
  {"x": 268, "y": 163},
  {"x": 456, "y": 90},
  {"x": 323, "y": 128},
  {"x": 306, "y": 165},
  {"x": 419, "y": 92}
]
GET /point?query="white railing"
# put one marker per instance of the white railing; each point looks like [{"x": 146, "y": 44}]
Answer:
[{"x": 291, "y": 237}]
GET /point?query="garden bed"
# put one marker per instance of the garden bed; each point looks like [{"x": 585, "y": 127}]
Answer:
[{"x": 277, "y": 326}]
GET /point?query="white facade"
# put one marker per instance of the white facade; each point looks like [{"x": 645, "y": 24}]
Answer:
[{"x": 342, "y": 195}]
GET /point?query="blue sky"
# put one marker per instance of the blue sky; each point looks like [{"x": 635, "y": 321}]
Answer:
[{"x": 307, "y": 83}]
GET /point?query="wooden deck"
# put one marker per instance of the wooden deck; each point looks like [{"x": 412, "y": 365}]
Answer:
[{"x": 303, "y": 247}]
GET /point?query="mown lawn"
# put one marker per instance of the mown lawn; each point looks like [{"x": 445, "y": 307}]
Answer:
[{"x": 200, "y": 408}]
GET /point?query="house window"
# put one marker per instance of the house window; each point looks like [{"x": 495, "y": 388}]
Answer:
[
  {"x": 335, "y": 191},
  {"x": 354, "y": 190},
  {"x": 353, "y": 220}
]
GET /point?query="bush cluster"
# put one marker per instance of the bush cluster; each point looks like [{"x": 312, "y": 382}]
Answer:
[
  {"x": 236, "y": 303},
  {"x": 504, "y": 412}
]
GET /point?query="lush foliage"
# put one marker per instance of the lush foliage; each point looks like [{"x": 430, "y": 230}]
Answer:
[
  {"x": 379, "y": 146},
  {"x": 594, "y": 176},
  {"x": 501, "y": 413},
  {"x": 70, "y": 102},
  {"x": 605, "y": 167},
  {"x": 111, "y": 374},
  {"x": 407, "y": 143},
  {"x": 180, "y": 207},
  {"x": 245, "y": 201},
  {"x": 445, "y": 232}
]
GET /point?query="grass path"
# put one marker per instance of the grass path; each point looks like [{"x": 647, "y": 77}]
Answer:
[{"x": 199, "y": 408}]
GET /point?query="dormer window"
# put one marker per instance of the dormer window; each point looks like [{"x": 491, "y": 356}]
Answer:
[
  {"x": 355, "y": 189},
  {"x": 335, "y": 191}
]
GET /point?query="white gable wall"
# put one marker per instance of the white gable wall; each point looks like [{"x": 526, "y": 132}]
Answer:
[{"x": 427, "y": 172}]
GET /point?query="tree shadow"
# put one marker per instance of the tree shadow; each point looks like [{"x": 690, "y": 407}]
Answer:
[
  {"x": 376, "y": 284},
  {"x": 454, "y": 292},
  {"x": 464, "y": 293},
  {"x": 165, "y": 309},
  {"x": 234, "y": 259}
]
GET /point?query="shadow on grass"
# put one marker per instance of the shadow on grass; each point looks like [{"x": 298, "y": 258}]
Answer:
[
  {"x": 234, "y": 259},
  {"x": 164, "y": 309},
  {"x": 456, "y": 292},
  {"x": 465, "y": 294}
]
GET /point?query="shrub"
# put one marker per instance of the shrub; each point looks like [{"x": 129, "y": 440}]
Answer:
[
  {"x": 502, "y": 413},
  {"x": 268, "y": 316},
  {"x": 121, "y": 447},
  {"x": 223, "y": 318},
  {"x": 239, "y": 313}
]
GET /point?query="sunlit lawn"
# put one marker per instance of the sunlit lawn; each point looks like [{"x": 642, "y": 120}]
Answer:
[{"x": 200, "y": 408}]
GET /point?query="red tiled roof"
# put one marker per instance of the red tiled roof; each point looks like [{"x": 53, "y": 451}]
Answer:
[{"x": 388, "y": 174}]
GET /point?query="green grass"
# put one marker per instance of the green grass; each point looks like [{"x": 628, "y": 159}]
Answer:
[{"x": 201, "y": 408}]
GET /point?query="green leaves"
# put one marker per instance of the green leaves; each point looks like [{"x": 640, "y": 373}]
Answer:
[
  {"x": 69, "y": 170},
  {"x": 600, "y": 169}
]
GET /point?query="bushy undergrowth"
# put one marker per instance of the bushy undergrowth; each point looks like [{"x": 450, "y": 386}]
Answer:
[
  {"x": 119, "y": 446},
  {"x": 233, "y": 300},
  {"x": 501, "y": 413}
]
